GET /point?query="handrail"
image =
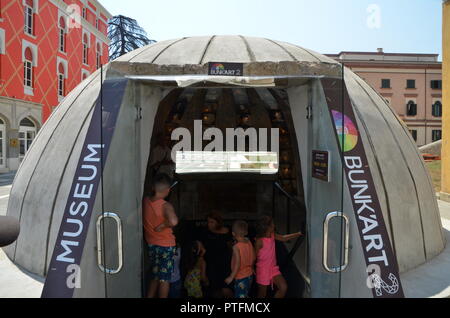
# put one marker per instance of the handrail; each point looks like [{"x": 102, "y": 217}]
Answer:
[
  {"x": 289, "y": 196},
  {"x": 174, "y": 185},
  {"x": 297, "y": 203}
]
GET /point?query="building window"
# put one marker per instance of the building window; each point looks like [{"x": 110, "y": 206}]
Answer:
[
  {"x": 83, "y": 13},
  {"x": 411, "y": 84},
  {"x": 61, "y": 80},
  {"x": 29, "y": 18},
  {"x": 437, "y": 109},
  {"x": 99, "y": 56},
  {"x": 28, "y": 68},
  {"x": 385, "y": 83},
  {"x": 436, "y": 84},
  {"x": 437, "y": 135},
  {"x": 2, "y": 42},
  {"x": 27, "y": 133},
  {"x": 411, "y": 109},
  {"x": 84, "y": 74},
  {"x": 96, "y": 23},
  {"x": 414, "y": 134},
  {"x": 62, "y": 35},
  {"x": 85, "y": 49}
]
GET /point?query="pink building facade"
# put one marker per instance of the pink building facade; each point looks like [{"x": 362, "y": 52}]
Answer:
[{"x": 410, "y": 83}]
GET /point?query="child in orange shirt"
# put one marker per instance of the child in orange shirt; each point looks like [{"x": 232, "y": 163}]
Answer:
[
  {"x": 159, "y": 220},
  {"x": 242, "y": 262}
]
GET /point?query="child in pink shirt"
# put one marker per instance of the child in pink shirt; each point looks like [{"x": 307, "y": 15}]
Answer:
[{"x": 267, "y": 271}]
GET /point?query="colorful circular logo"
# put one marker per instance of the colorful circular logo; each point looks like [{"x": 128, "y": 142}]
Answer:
[
  {"x": 218, "y": 67},
  {"x": 348, "y": 134}
]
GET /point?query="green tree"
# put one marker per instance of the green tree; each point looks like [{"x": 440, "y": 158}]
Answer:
[{"x": 125, "y": 35}]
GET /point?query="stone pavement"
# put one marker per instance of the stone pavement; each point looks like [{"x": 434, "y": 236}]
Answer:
[
  {"x": 445, "y": 209},
  {"x": 14, "y": 282},
  {"x": 433, "y": 278},
  {"x": 17, "y": 283}
]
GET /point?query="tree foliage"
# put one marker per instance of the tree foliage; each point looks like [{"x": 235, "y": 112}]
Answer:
[{"x": 125, "y": 35}]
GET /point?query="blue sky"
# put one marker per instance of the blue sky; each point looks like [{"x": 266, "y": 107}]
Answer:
[{"x": 326, "y": 26}]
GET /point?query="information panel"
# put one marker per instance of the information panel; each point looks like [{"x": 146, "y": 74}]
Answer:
[{"x": 321, "y": 165}]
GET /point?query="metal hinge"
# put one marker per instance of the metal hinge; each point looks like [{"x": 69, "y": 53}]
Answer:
[
  {"x": 139, "y": 113},
  {"x": 309, "y": 112}
]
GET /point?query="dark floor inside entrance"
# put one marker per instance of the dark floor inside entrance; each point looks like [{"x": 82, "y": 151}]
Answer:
[{"x": 296, "y": 284}]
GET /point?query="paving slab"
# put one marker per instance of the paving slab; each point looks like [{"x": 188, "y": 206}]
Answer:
[
  {"x": 431, "y": 280},
  {"x": 444, "y": 207},
  {"x": 17, "y": 283}
]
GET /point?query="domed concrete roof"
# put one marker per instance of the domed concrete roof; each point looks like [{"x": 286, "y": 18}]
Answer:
[
  {"x": 43, "y": 182},
  {"x": 239, "y": 49}
]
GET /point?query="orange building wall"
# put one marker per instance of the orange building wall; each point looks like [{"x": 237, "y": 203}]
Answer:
[
  {"x": 398, "y": 93},
  {"x": 46, "y": 39},
  {"x": 445, "y": 195}
]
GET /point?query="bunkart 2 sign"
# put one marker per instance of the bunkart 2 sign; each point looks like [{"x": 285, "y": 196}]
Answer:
[{"x": 225, "y": 69}]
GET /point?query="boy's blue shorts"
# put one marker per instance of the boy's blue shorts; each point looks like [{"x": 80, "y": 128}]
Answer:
[
  {"x": 162, "y": 262},
  {"x": 242, "y": 287}
]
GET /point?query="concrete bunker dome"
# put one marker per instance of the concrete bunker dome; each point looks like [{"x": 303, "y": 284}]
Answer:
[{"x": 43, "y": 182}]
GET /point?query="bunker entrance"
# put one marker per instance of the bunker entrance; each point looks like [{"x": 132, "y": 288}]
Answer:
[{"x": 241, "y": 180}]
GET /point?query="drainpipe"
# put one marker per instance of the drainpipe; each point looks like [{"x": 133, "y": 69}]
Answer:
[{"x": 426, "y": 107}]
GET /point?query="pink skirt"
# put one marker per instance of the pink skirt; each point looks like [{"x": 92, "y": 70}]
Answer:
[{"x": 265, "y": 275}]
